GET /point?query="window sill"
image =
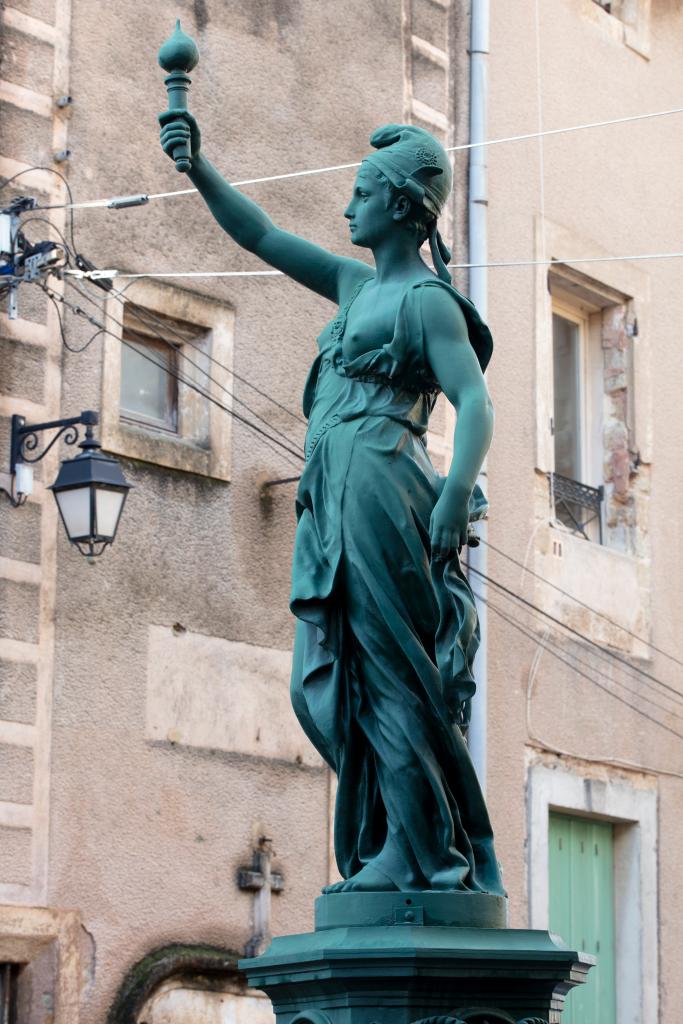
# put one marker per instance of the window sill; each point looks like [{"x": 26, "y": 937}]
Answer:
[{"x": 163, "y": 449}]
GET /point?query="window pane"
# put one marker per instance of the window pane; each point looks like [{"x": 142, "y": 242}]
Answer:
[
  {"x": 148, "y": 391},
  {"x": 567, "y": 410}
]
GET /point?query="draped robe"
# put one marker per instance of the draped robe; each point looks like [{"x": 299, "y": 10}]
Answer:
[{"x": 385, "y": 635}]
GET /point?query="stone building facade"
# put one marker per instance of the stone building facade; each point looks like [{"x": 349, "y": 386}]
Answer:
[{"x": 148, "y": 754}]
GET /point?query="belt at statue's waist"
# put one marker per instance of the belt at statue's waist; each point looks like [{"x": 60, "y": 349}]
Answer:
[
  {"x": 335, "y": 419},
  {"x": 326, "y": 425}
]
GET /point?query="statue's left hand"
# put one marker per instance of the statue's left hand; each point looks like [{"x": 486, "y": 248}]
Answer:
[{"x": 448, "y": 524}]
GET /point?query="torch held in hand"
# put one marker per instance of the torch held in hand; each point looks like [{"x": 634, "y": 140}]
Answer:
[{"x": 178, "y": 56}]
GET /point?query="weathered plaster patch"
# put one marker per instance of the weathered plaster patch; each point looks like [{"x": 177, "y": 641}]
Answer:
[{"x": 205, "y": 691}]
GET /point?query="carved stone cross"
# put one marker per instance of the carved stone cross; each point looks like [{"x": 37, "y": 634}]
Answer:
[{"x": 262, "y": 881}]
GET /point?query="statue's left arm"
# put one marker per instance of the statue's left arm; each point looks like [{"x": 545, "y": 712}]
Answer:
[{"x": 455, "y": 366}]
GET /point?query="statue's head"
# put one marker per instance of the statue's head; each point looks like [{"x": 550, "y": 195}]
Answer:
[{"x": 403, "y": 186}]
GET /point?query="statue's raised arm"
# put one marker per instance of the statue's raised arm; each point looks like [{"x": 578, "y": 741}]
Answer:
[{"x": 311, "y": 265}]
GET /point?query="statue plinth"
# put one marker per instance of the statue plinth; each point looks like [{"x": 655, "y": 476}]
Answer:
[{"x": 403, "y": 958}]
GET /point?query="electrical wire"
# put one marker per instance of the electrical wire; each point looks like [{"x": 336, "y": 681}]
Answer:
[
  {"x": 547, "y": 747},
  {"x": 514, "y": 596},
  {"x": 604, "y": 652},
  {"x": 572, "y": 259},
  {"x": 582, "y": 604},
  {"x": 144, "y": 196},
  {"x": 98, "y": 275},
  {"x": 530, "y": 636},
  {"x": 117, "y": 294},
  {"x": 582, "y": 636},
  {"x": 183, "y": 355},
  {"x": 502, "y": 615},
  {"x": 518, "y": 597},
  {"x": 554, "y": 261},
  {"x": 266, "y": 439},
  {"x": 69, "y": 254},
  {"x": 147, "y": 317},
  {"x": 496, "y": 610},
  {"x": 286, "y": 452},
  {"x": 491, "y": 546},
  {"x": 540, "y": 134},
  {"x": 70, "y": 348},
  {"x": 549, "y": 642}
]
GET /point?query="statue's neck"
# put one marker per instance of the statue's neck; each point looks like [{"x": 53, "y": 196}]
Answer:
[{"x": 397, "y": 258}]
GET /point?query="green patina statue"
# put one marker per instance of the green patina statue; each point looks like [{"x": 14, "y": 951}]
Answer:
[{"x": 387, "y": 628}]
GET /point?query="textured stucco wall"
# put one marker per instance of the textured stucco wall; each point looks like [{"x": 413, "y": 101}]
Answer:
[
  {"x": 147, "y": 836},
  {"x": 618, "y": 187}
]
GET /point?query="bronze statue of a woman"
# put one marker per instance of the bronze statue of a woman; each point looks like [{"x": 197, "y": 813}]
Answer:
[{"x": 387, "y": 628}]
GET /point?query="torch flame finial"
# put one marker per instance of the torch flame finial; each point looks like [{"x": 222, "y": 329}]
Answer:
[{"x": 179, "y": 52}]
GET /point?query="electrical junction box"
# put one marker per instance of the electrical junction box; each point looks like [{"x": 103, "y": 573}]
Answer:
[{"x": 5, "y": 236}]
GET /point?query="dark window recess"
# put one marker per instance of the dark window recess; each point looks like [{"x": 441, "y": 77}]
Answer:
[
  {"x": 9, "y": 974},
  {"x": 605, "y": 4},
  {"x": 577, "y": 505}
]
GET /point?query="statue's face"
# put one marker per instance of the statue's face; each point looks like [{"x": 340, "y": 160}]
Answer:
[{"x": 369, "y": 213}]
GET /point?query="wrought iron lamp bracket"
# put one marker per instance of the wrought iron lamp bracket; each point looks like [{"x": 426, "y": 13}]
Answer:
[{"x": 25, "y": 440}]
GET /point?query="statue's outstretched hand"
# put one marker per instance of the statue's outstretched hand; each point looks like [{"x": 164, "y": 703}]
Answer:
[{"x": 177, "y": 126}]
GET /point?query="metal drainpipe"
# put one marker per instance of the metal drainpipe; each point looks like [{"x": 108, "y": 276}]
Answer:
[{"x": 478, "y": 292}]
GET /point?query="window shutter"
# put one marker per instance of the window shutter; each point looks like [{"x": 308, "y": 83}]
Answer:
[{"x": 581, "y": 889}]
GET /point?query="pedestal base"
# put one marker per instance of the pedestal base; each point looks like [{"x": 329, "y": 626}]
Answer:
[{"x": 400, "y": 958}]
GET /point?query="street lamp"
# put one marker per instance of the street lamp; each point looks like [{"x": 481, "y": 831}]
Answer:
[{"x": 90, "y": 489}]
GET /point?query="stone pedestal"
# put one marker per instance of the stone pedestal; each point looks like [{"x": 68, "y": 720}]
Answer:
[{"x": 400, "y": 958}]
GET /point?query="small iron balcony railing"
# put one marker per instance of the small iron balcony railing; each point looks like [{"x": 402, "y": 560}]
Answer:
[{"x": 577, "y": 505}]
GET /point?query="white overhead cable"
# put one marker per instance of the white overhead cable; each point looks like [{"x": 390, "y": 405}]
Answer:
[
  {"x": 98, "y": 275},
  {"x": 121, "y": 202},
  {"x": 95, "y": 275}
]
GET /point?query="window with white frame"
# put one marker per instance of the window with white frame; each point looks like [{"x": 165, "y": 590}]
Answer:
[
  {"x": 577, "y": 420},
  {"x": 594, "y": 480}
]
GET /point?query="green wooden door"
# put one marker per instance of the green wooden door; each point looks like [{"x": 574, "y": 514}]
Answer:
[{"x": 581, "y": 868}]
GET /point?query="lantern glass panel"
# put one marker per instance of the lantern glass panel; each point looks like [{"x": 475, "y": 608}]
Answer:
[
  {"x": 74, "y": 506},
  {"x": 107, "y": 511}
]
